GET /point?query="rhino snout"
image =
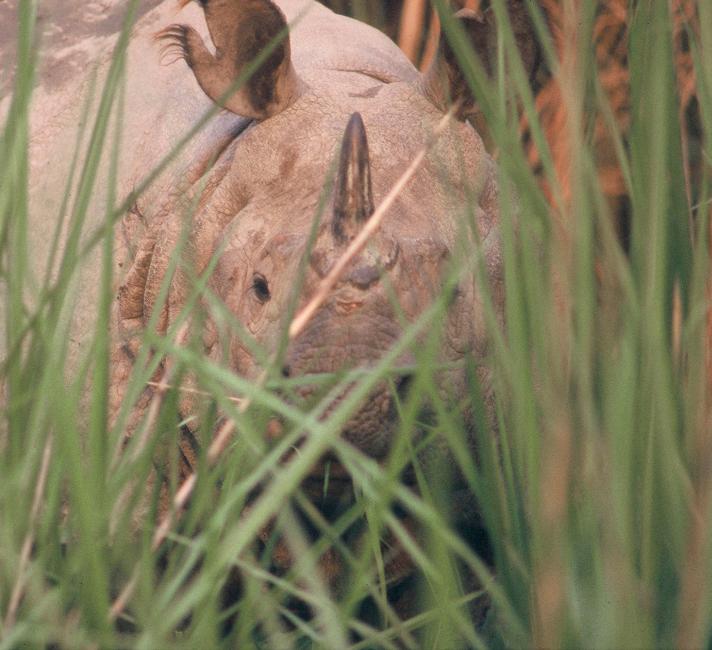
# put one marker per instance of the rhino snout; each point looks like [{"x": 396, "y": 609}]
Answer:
[{"x": 351, "y": 332}]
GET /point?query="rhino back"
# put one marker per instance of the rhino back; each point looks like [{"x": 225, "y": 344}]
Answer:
[{"x": 323, "y": 40}]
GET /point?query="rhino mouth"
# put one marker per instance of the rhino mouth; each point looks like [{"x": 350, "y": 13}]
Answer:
[
  {"x": 372, "y": 425},
  {"x": 328, "y": 485}
]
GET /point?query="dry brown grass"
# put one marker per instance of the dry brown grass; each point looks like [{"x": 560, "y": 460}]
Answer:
[{"x": 418, "y": 32}]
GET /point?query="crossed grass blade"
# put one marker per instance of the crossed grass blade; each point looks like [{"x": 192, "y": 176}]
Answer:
[{"x": 603, "y": 523}]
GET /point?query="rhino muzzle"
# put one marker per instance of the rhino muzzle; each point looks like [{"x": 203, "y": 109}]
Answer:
[{"x": 336, "y": 342}]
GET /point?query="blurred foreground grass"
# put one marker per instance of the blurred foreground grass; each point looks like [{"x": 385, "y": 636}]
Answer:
[{"x": 596, "y": 492}]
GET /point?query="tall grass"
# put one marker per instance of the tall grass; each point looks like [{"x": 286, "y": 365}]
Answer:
[{"x": 592, "y": 475}]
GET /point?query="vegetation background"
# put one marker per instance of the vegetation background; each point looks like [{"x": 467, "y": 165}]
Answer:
[{"x": 596, "y": 491}]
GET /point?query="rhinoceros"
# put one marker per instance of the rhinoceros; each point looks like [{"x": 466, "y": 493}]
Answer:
[
  {"x": 333, "y": 104},
  {"x": 256, "y": 186}
]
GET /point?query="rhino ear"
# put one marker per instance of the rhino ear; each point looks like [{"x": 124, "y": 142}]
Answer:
[
  {"x": 353, "y": 196},
  {"x": 444, "y": 82},
  {"x": 241, "y": 31}
]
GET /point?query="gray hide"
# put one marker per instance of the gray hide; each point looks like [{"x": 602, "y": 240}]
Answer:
[{"x": 262, "y": 181}]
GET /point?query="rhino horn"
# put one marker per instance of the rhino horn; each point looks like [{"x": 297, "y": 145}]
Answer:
[
  {"x": 353, "y": 196},
  {"x": 240, "y": 32},
  {"x": 444, "y": 83}
]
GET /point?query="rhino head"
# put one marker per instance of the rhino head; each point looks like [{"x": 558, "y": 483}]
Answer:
[
  {"x": 317, "y": 100},
  {"x": 383, "y": 289}
]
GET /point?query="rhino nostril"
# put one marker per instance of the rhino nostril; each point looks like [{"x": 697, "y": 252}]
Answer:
[
  {"x": 403, "y": 384},
  {"x": 286, "y": 371}
]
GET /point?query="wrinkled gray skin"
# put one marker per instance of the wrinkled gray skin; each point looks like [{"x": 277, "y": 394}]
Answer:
[{"x": 262, "y": 180}]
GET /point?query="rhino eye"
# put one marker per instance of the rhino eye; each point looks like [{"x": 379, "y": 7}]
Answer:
[
  {"x": 455, "y": 294},
  {"x": 260, "y": 287}
]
